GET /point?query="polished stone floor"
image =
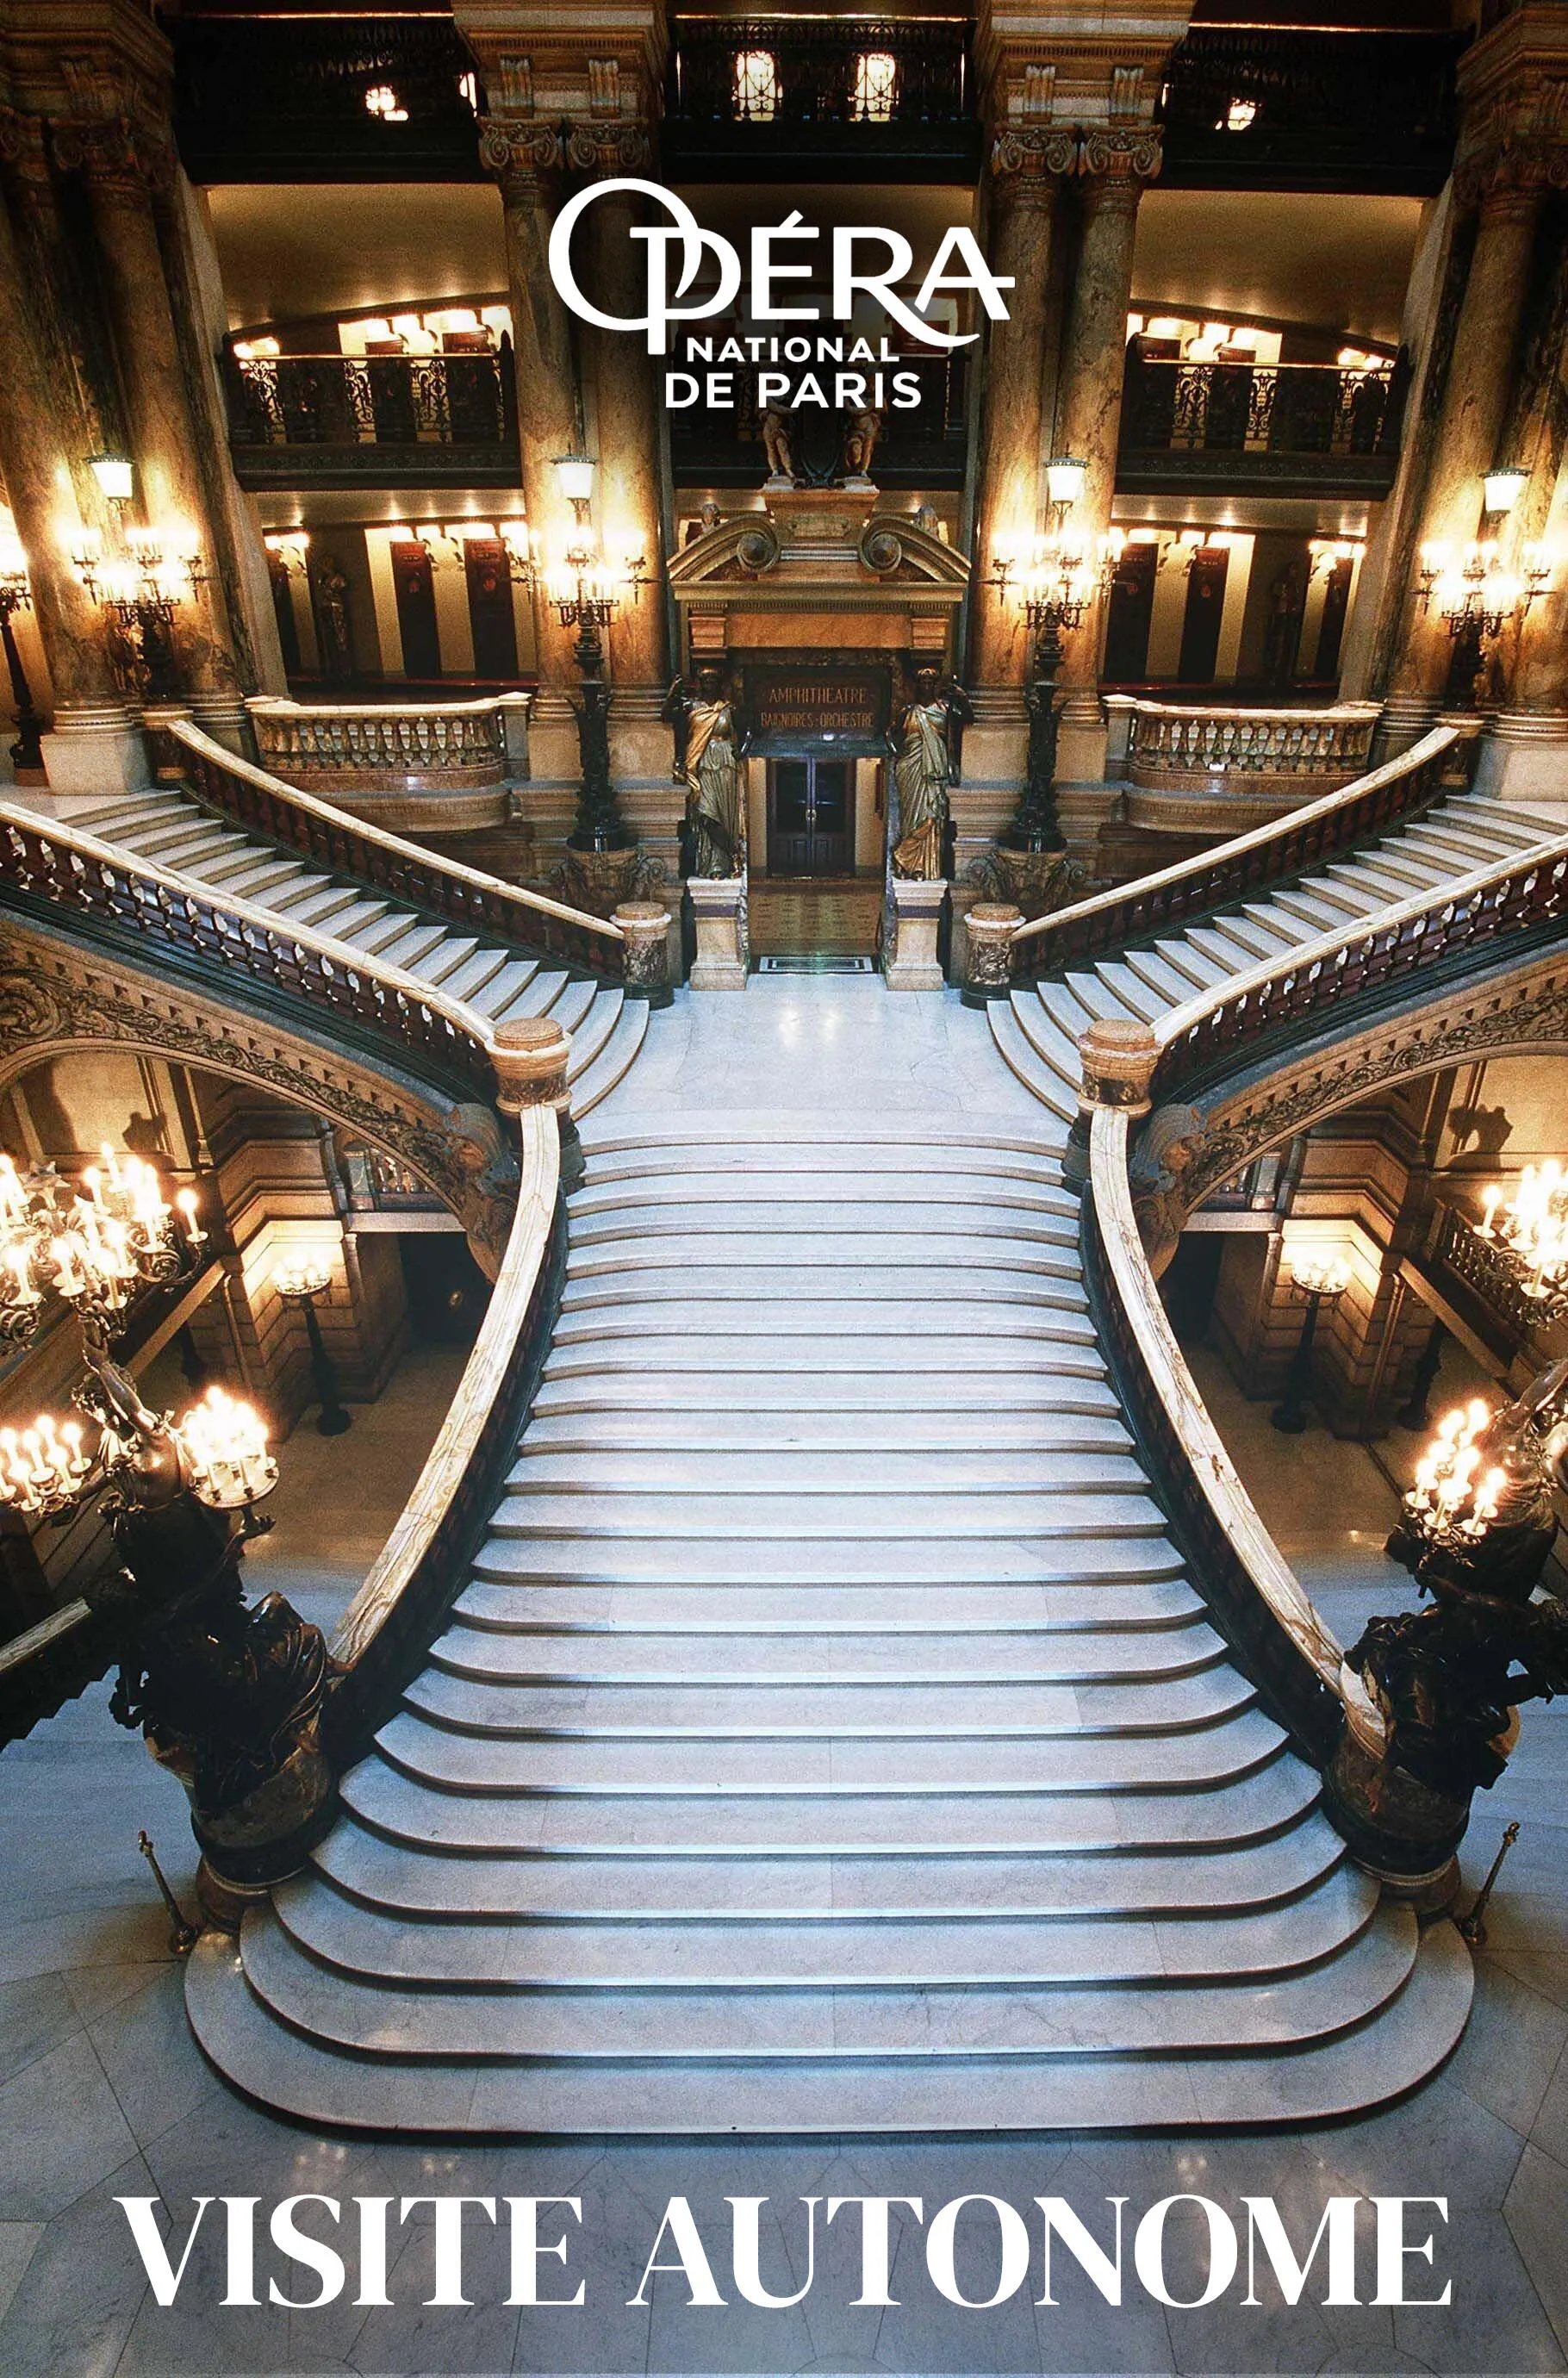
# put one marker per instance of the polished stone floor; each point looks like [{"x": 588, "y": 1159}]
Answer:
[{"x": 101, "y": 2092}]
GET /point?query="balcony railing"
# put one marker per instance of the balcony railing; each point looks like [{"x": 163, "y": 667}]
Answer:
[
  {"x": 287, "y": 98},
  {"x": 924, "y": 447},
  {"x": 1237, "y": 760},
  {"x": 429, "y": 768},
  {"x": 1307, "y": 108},
  {"x": 358, "y": 420},
  {"x": 1314, "y": 425},
  {"x": 880, "y": 99}
]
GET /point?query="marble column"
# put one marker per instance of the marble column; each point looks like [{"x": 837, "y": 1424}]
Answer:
[
  {"x": 524, "y": 160},
  {"x": 1474, "y": 407},
  {"x": 91, "y": 745},
  {"x": 164, "y": 436},
  {"x": 1088, "y": 423},
  {"x": 626, "y": 499},
  {"x": 1024, "y": 189}
]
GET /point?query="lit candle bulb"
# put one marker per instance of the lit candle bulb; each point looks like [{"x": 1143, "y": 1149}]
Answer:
[{"x": 195, "y": 1235}]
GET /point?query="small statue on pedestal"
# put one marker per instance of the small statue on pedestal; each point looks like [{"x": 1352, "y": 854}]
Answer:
[
  {"x": 859, "y": 445},
  {"x": 776, "y": 447},
  {"x": 707, "y": 764},
  {"x": 928, "y": 764}
]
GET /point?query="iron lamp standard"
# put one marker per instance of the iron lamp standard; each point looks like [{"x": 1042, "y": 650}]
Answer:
[
  {"x": 1320, "y": 1280},
  {"x": 16, "y": 594},
  {"x": 302, "y": 1286},
  {"x": 1054, "y": 583},
  {"x": 141, "y": 599}
]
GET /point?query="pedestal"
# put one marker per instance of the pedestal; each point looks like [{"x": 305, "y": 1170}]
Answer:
[
  {"x": 987, "y": 950},
  {"x": 917, "y": 911},
  {"x": 718, "y": 905},
  {"x": 96, "y": 751},
  {"x": 644, "y": 928},
  {"x": 1524, "y": 757},
  {"x": 599, "y": 881}
]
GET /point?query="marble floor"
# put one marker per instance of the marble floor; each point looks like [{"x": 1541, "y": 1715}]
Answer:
[{"x": 103, "y": 2093}]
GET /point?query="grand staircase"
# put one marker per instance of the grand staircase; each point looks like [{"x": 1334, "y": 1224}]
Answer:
[
  {"x": 168, "y": 828},
  {"x": 827, "y": 1738},
  {"x": 1037, "y": 1029}
]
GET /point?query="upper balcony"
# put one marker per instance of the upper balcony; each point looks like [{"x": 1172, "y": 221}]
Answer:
[
  {"x": 1310, "y": 107},
  {"x": 786, "y": 98},
  {"x": 444, "y": 420},
  {"x": 1275, "y": 429}
]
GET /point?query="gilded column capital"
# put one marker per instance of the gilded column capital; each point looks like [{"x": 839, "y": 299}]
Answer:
[
  {"x": 523, "y": 158},
  {"x": 1028, "y": 161},
  {"x": 604, "y": 152},
  {"x": 1119, "y": 160}
]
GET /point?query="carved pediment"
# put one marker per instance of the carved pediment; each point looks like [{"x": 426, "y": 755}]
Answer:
[{"x": 824, "y": 542}]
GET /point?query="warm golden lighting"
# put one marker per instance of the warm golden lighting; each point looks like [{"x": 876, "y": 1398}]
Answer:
[
  {"x": 875, "y": 87},
  {"x": 1502, "y": 490},
  {"x": 223, "y": 1442},
  {"x": 42, "y": 1469},
  {"x": 1532, "y": 1228},
  {"x": 302, "y": 1276},
  {"x": 92, "y": 1244},
  {"x": 1453, "y": 1499},
  {"x": 1319, "y": 1272}
]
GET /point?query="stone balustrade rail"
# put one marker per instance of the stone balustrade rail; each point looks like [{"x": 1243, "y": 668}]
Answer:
[
  {"x": 1241, "y": 868},
  {"x": 1344, "y": 976},
  {"x": 328, "y": 835},
  {"x": 1169, "y": 743}
]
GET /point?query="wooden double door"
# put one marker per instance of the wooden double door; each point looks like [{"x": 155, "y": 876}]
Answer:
[{"x": 811, "y": 817}]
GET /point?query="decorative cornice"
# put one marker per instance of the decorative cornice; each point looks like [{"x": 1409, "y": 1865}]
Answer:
[{"x": 1117, "y": 153}]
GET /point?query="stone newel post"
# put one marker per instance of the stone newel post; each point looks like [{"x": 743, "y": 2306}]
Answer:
[{"x": 1117, "y": 1061}]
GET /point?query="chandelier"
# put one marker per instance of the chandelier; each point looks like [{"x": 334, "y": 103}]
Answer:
[
  {"x": 1455, "y": 1499},
  {"x": 92, "y": 1244},
  {"x": 1529, "y": 1232}
]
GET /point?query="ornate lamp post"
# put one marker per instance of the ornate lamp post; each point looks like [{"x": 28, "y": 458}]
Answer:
[
  {"x": 303, "y": 1285},
  {"x": 1319, "y": 1279},
  {"x": 27, "y": 751}
]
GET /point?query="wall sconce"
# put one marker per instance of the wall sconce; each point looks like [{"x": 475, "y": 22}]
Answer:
[
  {"x": 1502, "y": 490},
  {"x": 574, "y": 474},
  {"x": 288, "y": 549},
  {"x": 1065, "y": 478},
  {"x": 115, "y": 477}
]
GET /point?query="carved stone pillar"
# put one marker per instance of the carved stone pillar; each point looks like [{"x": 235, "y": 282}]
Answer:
[
  {"x": 164, "y": 436},
  {"x": 524, "y": 159},
  {"x": 1025, "y": 183},
  {"x": 92, "y": 745},
  {"x": 627, "y": 422},
  {"x": 1474, "y": 404},
  {"x": 1089, "y": 414}
]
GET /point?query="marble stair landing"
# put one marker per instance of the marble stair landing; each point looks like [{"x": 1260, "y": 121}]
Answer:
[{"x": 827, "y": 1736}]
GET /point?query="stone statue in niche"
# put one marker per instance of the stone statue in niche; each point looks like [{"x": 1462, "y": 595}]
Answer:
[
  {"x": 707, "y": 764},
  {"x": 1165, "y": 1150},
  {"x": 776, "y": 447},
  {"x": 859, "y": 445},
  {"x": 927, "y": 765},
  {"x": 334, "y": 629}
]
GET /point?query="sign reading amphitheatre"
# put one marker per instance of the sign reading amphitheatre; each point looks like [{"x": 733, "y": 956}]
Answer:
[
  {"x": 862, "y": 260},
  {"x": 810, "y": 701}
]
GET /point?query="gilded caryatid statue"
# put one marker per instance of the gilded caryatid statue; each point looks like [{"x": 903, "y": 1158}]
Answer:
[
  {"x": 925, "y": 766},
  {"x": 708, "y": 762}
]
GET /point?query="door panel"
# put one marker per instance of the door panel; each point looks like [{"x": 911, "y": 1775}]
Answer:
[
  {"x": 416, "y": 587},
  {"x": 1206, "y": 609},
  {"x": 490, "y": 611},
  {"x": 1131, "y": 610},
  {"x": 810, "y": 817}
]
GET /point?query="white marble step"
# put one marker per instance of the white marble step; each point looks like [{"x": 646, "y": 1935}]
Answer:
[
  {"x": 810, "y": 1887},
  {"x": 928, "y": 1397},
  {"x": 623, "y": 1656},
  {"x": 825, "y": 1565},
  {"x": 1335, "y": 2078},
  {"x": 870, "y": 1355},
  {"x": 646, "y": 1422},
  {"x": 1107, "y": 1606},
  {"x": 1236, "y": 1742},
  {"x": 1044, "y": 1514},
  {"x": 849, "y": 2021},
  {"x": 403, "y": 1808},
  {"x": 614, "y": 1060},
  {"x": 1046, "y": 1314},
  {"x": 754, "y": 1259},
  {"x": 704, "y": 1472},
  {"x": 797, "y": 1199},
  {"x": 825, "y": 1709}
]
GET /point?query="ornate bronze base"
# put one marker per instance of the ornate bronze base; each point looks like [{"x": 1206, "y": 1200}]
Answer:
[
  {"x": 600, "y": 881},
  {"x": 1399, "y": 1830}
]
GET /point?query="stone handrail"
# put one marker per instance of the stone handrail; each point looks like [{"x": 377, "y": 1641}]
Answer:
[
  {"x": 409, "y": 1582},
  {"x": 1255, "y": 1593},
  {"x": 1181, "y": 746},
  {"x": 1238, "y": 869},
  {"x": 1524, "y": 893},
  {"x": 420, "y": 1566},
  {"x": 67, "y": 870},
  {"x": 457, "y": 744},
  {"x": 329, "y": 838}
]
